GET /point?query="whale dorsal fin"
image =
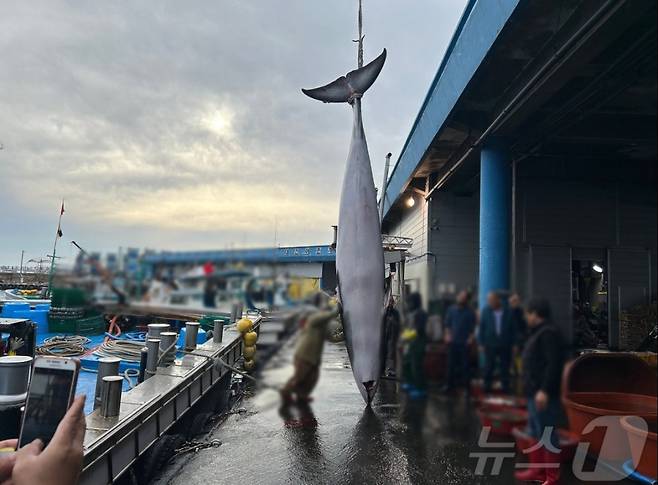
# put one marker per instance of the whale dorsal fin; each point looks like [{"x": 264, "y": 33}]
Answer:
[{"x": 345, "y": 87}]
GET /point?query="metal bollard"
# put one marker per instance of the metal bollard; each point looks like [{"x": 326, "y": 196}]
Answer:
[
  {"x": 240, "y": 310},
  {"x": 155, "y": 329},
  {"x": 218, "y": 331},
  {"x": 234, "y": 312},
  {"x": 167, "y": 339},
  {"x": 153, "y": 351},
  {"x": 143, "y": 359},
  {"x": 111, "y": 396},
  {"x": 191, "y": 334},
  {"x": 107, "y": 366}
]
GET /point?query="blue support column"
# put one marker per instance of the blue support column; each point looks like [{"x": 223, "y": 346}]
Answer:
[{"x": 495, "y": 219}]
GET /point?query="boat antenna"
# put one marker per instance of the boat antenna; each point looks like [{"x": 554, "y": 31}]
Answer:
[{"x": 361, "y": 36}]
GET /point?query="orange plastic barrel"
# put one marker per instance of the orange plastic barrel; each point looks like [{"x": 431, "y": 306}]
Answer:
[
  {"x": 608, "y": 384},
  {"x": 583, "y": 407},
  {"x": 643, "y": 446}
]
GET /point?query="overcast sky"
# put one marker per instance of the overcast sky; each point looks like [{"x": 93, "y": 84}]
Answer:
[{"x": 181, "y": 125}]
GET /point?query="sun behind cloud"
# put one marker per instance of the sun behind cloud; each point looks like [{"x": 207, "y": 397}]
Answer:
[{"x": 219, "y": 121}]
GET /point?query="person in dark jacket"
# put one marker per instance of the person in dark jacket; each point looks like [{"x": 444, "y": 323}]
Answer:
[
  {"x": 497, "y": 339},
  {"x": 459, "y": 326},
  {"x": 518, "y": 318},
  {"x": 543, "y": 360},
  {"x": 391, "y": 336},
  {"x": 518, "y": 321},
  {"x": 209, "y": 293}
]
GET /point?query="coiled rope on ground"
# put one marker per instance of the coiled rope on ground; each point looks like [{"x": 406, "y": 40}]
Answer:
[
  {"x": 63, "y": 346},
  {"x": 128, "y": 350}
]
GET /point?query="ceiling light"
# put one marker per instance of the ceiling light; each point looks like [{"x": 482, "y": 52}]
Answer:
[{"x": 410, "y": 201}]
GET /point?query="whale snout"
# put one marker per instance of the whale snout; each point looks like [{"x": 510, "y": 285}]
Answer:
[{"x": 371, "y": 388}]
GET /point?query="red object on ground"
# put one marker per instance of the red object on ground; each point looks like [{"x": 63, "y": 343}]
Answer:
[
  {"x": 643, "y": 446},
  {"x": 608, "y": 384},
  {"x": 436, "y": 362},
  {"x": 478, "y": 394},
  {"x": 502, "y": 423},
  {"x": 568, "y": 443},
  {"x": 503, "y": 403}
]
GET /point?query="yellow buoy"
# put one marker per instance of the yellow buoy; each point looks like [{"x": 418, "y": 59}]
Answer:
[
  {"x": 249, "y": 352},
  {"x": 250, "y": 338},
  {"x": 249, "y": 364},
  {"x": 244, "y": 325}
]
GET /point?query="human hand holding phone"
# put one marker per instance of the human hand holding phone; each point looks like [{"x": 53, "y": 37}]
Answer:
[
  {"x": 60, "y": 462},
  {"x": 51, "y": 391}
]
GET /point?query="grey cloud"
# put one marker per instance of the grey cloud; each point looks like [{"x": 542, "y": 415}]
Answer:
[{"x": 104, "y": 103}]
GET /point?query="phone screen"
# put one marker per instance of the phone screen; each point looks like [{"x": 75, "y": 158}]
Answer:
[{"x": 47, "y": 403}]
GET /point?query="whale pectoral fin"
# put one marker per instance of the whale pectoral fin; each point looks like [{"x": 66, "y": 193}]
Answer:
[
  {"x": 361, "y": 79},
  {"x": 345, "y": 87},
  {"x": 337, "y": 91}
]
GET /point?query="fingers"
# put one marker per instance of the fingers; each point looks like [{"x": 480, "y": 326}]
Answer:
[
  {"x": 33, "y": 449},
  {"x": 8, "y": 444},
  {"x": 81, "y": 428},
  {"x": 6, "y": 465},
  {"x": 71, "y": 430}
]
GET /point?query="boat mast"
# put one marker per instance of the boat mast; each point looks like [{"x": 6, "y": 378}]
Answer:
[{"x": 54, "y": 255}]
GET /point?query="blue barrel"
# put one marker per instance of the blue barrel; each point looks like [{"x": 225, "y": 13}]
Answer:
[
  {"x": 200, "y": 338},
  {"x": 11, "y": 307}
]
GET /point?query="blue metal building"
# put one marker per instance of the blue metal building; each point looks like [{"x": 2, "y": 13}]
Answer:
[
  {"x": 532, "y": 161},
  {"x": 316, "y": 261}
]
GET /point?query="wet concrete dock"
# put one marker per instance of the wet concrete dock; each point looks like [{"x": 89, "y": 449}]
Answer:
[{"x": 337, "y": 440}]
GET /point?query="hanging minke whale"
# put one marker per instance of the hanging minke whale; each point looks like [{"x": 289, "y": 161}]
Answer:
[{"x": 359, "y": 253}]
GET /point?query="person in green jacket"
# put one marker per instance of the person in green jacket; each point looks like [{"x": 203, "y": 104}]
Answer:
[
  {"x": 308, "y": 355},
  {"x": 415, "y": 338}
]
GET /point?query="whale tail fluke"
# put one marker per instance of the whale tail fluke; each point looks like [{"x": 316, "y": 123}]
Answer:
[{"x": 354, "y": 84}]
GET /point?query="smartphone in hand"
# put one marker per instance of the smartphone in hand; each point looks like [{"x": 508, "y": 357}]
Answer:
[{"x": 51, "y": 392}]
